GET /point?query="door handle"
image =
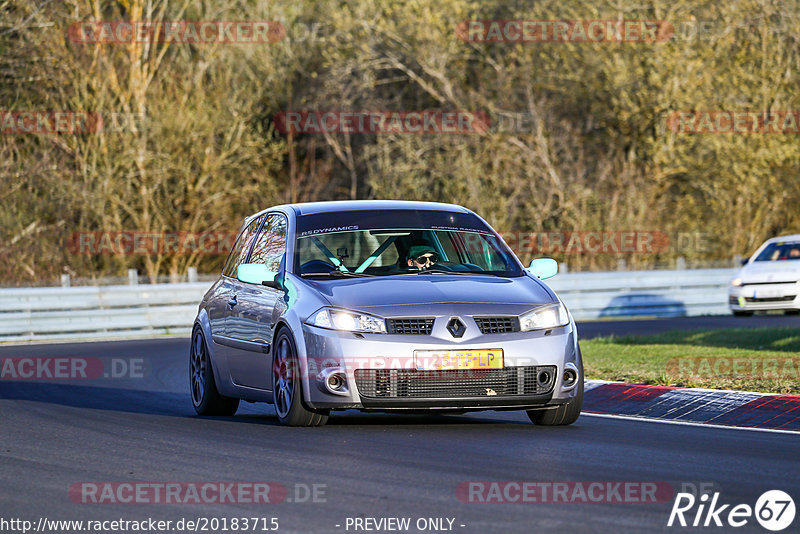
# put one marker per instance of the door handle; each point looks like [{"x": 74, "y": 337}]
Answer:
[{"x": 232, "y": 302}]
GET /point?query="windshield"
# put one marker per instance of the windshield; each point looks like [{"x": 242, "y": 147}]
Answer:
[
  {"x": 399, "y": 243},
  {"x": 780, "y": 251}
]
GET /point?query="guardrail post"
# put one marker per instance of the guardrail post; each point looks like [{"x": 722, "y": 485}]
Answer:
[
  {"x": 191, "y": 273},
  {"x": 621, "y": 265},
  {"x": 133, "y": 277},
  {"x": 680, "y": 263},
  {"x": 65, "y": 280},
  {"x": 563, "y": 268}
]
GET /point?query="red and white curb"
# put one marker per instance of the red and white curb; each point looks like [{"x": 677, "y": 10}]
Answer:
[{"x": 709, "y": 406}]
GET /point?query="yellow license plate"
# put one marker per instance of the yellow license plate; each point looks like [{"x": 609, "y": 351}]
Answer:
[{"x": 440, "y": 360}]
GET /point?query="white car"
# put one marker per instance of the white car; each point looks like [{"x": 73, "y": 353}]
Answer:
[{"x": 769, "y": 279}]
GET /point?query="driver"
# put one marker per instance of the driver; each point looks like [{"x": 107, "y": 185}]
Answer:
[{"x": 421, "y": 257}]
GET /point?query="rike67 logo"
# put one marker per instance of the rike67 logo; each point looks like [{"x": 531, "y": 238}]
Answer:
[{"x": 774, "y": 510}]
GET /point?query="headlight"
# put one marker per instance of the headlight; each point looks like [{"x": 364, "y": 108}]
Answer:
[
  {"x": 337, "y": 319},
  {"x": 736, "y": 281},
  {"x": 551, "y": 316}
]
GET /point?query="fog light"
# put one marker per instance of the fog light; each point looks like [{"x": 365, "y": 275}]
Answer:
[
  {"x": 569, "y": 377},
  {"x": 336, "y": 382},
  {"x": 333, "y": 380},
  {"x": 543, "y": 378}
]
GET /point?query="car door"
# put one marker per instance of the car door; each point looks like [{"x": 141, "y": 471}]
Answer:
[
  {"x": 250, "y": 325},
  {"x": 222, "y": 302}
]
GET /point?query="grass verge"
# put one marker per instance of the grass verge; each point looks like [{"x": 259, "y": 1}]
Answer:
[{"x": 750, "y": 359}]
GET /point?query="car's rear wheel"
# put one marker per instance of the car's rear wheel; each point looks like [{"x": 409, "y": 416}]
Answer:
[
  {"x": 205, "y": 397},
  {"x": 287, "y": 385},
  {"x": 742, "y": 313},
  {"x": 564, "y": 414}
]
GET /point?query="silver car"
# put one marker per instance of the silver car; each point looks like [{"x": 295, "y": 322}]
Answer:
[{"x": 382, "y": 306}]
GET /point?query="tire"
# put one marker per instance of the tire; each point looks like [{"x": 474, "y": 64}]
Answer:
[
  {"x": 287, "y": 385},
  {"x": 792, "y": 312},
  {"x": 742, "y": 313},
  {"x": 205, "y": 397},
  {"x": 564, "y": 414}
]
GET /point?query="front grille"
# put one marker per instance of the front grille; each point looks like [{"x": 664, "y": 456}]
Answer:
[
  {"x": 787, "y": 298},
  {"x": 414, "y": 326},
  {"x": 497, "y": 325},
  {"x": 457, "y": 383}
]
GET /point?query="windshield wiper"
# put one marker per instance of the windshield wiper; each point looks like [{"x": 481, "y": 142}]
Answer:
[
  {"x": 434, "y": 270},
  {"x": 337, "y": 274}
]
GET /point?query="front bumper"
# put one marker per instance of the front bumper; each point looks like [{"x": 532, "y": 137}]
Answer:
[
  {"x": 764, "y": 297},
  {"x": 388, "y": 359}
]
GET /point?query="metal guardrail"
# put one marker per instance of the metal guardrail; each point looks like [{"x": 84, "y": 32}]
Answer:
[
  {"x": 148, "y": 310},
  {"x": 676, "y": 293},
  {"x": 96, "y": 312}
]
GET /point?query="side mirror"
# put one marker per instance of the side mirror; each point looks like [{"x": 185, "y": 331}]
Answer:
[
  {"x": 744, "y": 261},
  {"x": 544, "y": 267},
  {"x": 257, "y": 273}
]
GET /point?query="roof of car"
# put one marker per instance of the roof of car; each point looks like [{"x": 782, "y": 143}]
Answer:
[
  {"x": 793, "y": 237},
  {"x": 308, "y": 208}
]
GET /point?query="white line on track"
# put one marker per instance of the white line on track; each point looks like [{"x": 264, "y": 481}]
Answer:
[{"x": 690, "y": 423}]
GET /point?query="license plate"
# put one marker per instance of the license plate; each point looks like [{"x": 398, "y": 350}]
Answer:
[
  {"x": 767, "y": 293},
  {"x": 441, "y": 360}
]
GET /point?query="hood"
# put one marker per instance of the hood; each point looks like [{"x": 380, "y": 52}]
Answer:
[
  {"x": 770, "y": 271},
  {"x": 435, "y": 293}
]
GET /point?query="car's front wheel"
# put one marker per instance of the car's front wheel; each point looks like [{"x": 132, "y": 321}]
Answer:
[
  {"x": 287, "y": 385},
  {"x": 205, "y": 397}
]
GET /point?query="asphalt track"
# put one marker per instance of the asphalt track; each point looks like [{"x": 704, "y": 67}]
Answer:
[{"x": 140, "y": 427}]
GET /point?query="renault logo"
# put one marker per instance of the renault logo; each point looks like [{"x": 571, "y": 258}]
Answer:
[{"x": 456, "y": 327}]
